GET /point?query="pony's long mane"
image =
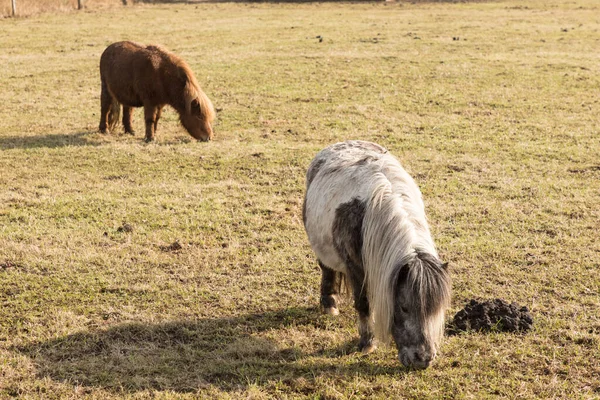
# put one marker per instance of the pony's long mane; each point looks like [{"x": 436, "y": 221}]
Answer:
[
  {"x": 396, "y": 236},
  {"x": 192, "y": 89}
]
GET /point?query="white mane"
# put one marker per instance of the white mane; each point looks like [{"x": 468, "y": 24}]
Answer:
[{"x": 394, "y": 230}]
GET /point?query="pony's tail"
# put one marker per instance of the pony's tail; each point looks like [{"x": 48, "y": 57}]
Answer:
[
  {"x": 113, "y": 114},
  {"x": 343, "y": 286}
]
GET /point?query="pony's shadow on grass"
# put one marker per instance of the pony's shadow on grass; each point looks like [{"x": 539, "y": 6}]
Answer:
[
  {"x": 48, "y": 141},
  {"x": 224, "y": 353}
]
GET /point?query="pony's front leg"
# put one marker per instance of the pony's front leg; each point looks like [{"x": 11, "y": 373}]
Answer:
[
  {"x": 361, "y": 303},
  {"x": 127, "y": 112},
  {"x": 330, "y": 289},
  {"x": 158, "y": 114},
  {"x": 150, "y": 113}
]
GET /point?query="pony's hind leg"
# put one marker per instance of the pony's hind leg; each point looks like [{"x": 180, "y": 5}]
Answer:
[
  {"x": 127, "y": 113},
  {"x": 105, "y": 106},
  {"x": 330, "y": 289}
]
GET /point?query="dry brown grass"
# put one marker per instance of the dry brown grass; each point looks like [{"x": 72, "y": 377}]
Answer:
[
  {"x": 180, "y": 270},
  {"x": 26, "y": 8}
]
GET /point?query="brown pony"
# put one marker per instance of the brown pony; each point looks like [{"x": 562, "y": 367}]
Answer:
[{"x": 151, "y": 77}]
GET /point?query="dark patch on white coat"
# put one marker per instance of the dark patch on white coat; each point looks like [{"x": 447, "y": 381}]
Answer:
[
  {"x": 348, "y": 242},
  {"x": 347, "y": 232}
]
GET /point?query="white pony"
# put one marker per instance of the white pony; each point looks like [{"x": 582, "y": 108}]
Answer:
[{"x": 365, "y": 220}]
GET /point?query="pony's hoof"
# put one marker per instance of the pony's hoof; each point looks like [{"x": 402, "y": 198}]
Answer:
[
  {"x": 132, "y": 133},
  {"x": 149, "y": 140},
  {"x": 331, "y": 311},
  {"x": 368, "y": 349}
]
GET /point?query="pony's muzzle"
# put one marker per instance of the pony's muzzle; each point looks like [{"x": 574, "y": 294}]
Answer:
[
  {"x": 416, "y": 359},
  {"x": 206, "y": 138}
]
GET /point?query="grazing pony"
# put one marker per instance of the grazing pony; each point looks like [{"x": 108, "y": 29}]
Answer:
[
  {"x": 151, "y": 77},
  {"x": 365, "y": 221}
]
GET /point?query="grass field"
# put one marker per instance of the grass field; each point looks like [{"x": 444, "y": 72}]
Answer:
[
  {"x": 180, "y": 269},
  {"x": 25, "y": 8}
]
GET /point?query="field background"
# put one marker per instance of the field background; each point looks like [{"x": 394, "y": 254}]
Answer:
[
  {"x": 181, "y": 270},
  {"x": 32, "y": 7}
]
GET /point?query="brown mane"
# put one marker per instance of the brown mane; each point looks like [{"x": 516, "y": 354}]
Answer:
[{"x": 192, "y": 89}]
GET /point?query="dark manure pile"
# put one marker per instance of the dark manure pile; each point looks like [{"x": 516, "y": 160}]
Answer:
[{"x": 491, "y": 316}]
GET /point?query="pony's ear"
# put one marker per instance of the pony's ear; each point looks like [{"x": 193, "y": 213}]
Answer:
[
  {"x": 195, "y": 106},
  {"x": 403, "y": 274},
  {"x": 401, "y": 279}
]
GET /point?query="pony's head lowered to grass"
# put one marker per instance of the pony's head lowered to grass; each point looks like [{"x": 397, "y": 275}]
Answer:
[{"x": 199, "y": 112}]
